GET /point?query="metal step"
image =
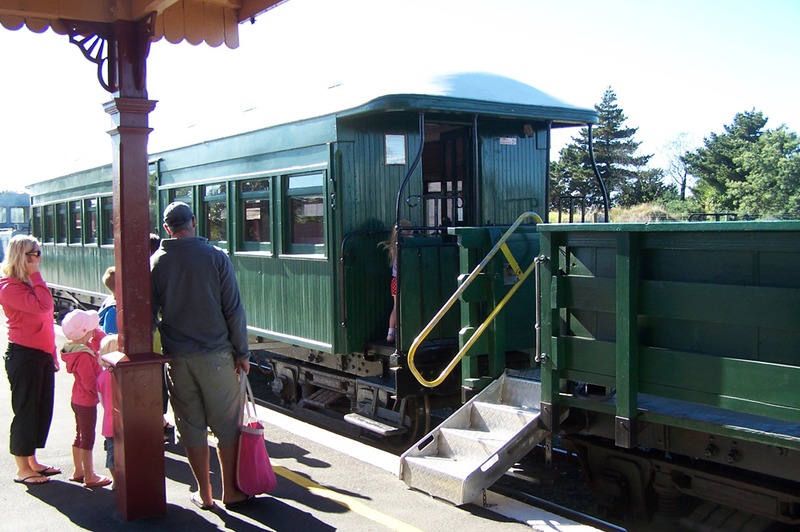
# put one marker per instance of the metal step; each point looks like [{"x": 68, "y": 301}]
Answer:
[
  {"x": 373, "y": 425},
  {"x": 322, "y": 398},
  {"x": 470, "y": 450}
]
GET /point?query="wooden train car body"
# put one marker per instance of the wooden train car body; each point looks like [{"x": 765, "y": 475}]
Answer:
[
  {"x": 301, "y": 209},
  {"x": 669, "y": 350},
  {"x": 674, "y": 346}
]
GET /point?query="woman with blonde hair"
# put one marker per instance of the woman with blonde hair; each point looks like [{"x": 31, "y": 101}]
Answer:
[{"x": 31, "y": 359}]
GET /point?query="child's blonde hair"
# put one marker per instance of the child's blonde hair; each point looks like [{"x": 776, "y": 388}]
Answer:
[
  {"x": 109, "y": 344},
  {"x": 391, "y": 245}
]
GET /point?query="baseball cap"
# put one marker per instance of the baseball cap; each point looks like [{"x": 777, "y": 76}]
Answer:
[
  {"x": 177, "y": 214},
  {"x": 78, "y": 322}
]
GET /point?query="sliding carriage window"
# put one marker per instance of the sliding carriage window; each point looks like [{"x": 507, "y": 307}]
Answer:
[
  {"x": 75, "y": 222},
  {"x": 215, "y": 209},
  {"x": 107, "y": 220},
  {"x": 36, "y": 230},
  {"x": 61, "y": 223},
  {"x": 49, "y": 226},
  {"x": 254, "y": 202},
  {"x": 90, "y": 229},
  {"x": 306, "y": 229}
]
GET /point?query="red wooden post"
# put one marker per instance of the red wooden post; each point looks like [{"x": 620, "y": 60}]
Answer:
[{"x": 138, "y": 432}]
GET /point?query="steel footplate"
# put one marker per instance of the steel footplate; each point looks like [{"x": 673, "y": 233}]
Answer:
[
  {"x": 321, "y": 398},
  {"x": 373, "y": 425}
]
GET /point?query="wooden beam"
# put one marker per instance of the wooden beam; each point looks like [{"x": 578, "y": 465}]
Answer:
[
  {"x": 252, "y": 8},
  {"x": 49, "y": 10}
]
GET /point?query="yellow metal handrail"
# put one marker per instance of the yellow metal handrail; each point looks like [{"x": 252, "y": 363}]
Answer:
[{"x": 521, "y": 276}]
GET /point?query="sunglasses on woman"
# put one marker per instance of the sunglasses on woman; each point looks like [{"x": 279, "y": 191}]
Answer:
[{"x": 37, "y": 253}]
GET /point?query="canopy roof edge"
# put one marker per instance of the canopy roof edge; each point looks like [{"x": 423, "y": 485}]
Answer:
[{"x": 195, "y": 21}]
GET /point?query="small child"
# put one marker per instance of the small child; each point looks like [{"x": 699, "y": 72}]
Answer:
[
  {"x": 108, "y": 344},
  {"x": 108, "y": 310},
  {"x": 80, "y": 327},
  {"x": 391, "y": 246}
]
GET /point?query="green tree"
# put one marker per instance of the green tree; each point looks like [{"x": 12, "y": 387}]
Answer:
[
  {"x": 717, "y": 164},
  {"x": 624, "y": 173},
  {"x": 772, "y": 167}
]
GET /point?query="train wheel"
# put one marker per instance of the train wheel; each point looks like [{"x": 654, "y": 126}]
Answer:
[{"x": 416, "y": 418}]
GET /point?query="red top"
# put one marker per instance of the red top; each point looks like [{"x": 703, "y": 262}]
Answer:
[
  {"x": 29, "y": 313},
  {"x": 82, "y": 362}
]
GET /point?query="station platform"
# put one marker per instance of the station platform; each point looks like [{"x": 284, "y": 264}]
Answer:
[{"x": 325, "y": 482}]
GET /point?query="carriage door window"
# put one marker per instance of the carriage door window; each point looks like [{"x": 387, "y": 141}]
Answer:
[
  {"x": 254, "y": 198},
  {"x": 90, "y": 208},
  {"x": 215, "y": 208},
  {"x": 446, "y": 175},
  {"x": 305, "y": 211}
]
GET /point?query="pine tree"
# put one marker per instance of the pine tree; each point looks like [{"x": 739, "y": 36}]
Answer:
[
  {"x": 624, "y": 173},
  {"x": 729, "y": 167}
]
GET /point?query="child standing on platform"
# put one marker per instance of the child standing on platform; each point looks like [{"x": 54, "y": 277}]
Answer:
[
  {"x": 109, "y": 344},
  {"x": 81, "y": 328}
]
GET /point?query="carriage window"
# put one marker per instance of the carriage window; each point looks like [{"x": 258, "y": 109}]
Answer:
[
  {"x": 3, "y": 215},
  {"x": 107, "y": 220},
  {"x": 90, "y": 208},
  {"x": 61, "y": 223},
  {"x": 306, "y": 211},
  {"x": 37, "y": 223},
  {"x": 75, "y": 222},
  {"x": 19, "y": 215},
  {"x": 215, "y": 208},
  {"x": 183, "y": 194},
  {"x": 254, "y": 198},
  {"x": 49, "y": 223},
  {"x": 394, "y": 149}
]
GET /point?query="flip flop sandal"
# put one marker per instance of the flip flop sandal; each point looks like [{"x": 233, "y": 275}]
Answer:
[
  {"x": 49, "y": 471},
  {"x": 198, "y": 501},
  {"x": 79, "y": 480},
  {"x": 239, "y": 504},
  {"x": 27, "y": 480},
  {"x": 102, "y": 481}
]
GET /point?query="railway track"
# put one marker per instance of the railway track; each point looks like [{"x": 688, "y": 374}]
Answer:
[{"x": 562, "y": 488}]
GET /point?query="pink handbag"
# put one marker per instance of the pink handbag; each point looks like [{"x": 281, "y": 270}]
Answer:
[{"x": 254, "y": 472}]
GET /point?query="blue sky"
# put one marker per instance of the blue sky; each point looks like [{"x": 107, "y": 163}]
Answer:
[{"x": 677, "y": 67}]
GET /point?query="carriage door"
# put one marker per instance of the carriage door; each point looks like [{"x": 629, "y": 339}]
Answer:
[{"x": 448, "y": 175}]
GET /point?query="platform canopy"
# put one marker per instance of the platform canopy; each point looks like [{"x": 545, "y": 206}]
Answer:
[{"x": 195, "y": 21}]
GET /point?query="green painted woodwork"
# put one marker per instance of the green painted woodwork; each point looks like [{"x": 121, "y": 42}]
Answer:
[
  {"x": 707, "y": 313},
  {"x": 77, "y": 266},
  {"x": 428, "y": 270},
  {"x": 511, "y": 329}
]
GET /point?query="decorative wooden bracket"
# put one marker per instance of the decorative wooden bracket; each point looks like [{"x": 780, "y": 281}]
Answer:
[{"x": 98, "y": 43}]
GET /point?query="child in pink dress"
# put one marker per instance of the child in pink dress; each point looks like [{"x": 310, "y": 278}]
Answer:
[
  {"x": 109, "y": 344},
  {"x": 81, "y": 328}
]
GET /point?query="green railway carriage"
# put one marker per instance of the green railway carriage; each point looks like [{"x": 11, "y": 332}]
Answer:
[
  {"x": 301, "y": 208},
  {"x": 666, "y": 352}
]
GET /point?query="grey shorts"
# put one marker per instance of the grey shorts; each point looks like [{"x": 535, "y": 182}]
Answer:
[{"x": 204, "y": 392}]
